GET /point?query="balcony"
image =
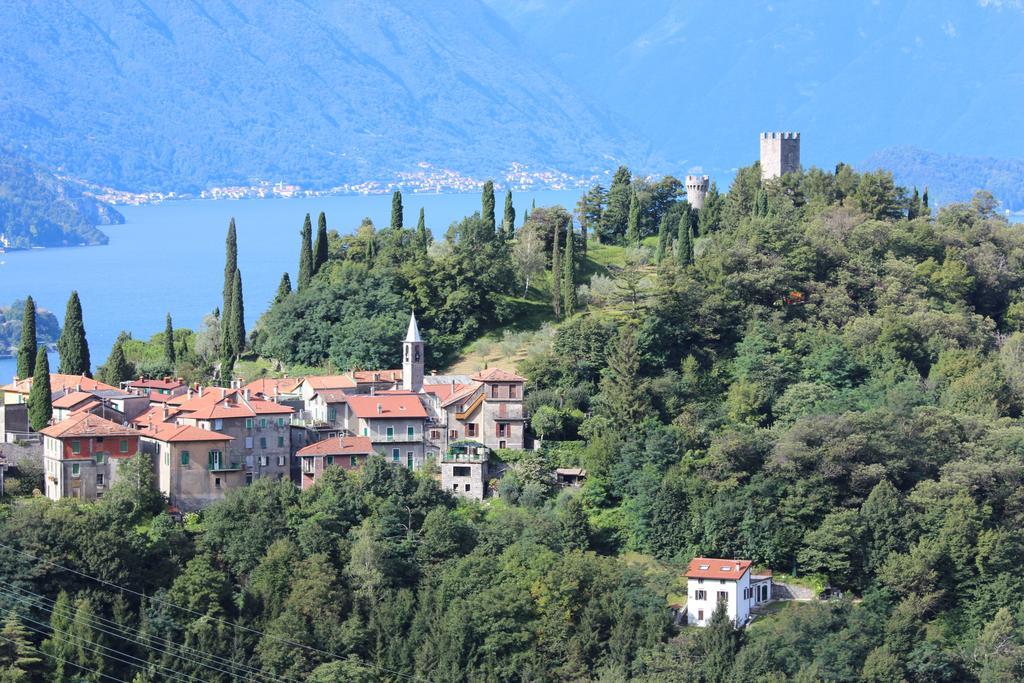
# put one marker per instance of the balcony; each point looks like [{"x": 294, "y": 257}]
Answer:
[
  {"x": 466, "y": 451},
  {"x": 224, "y": 466}
]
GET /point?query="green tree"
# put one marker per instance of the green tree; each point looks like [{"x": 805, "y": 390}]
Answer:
[
  {"x": 40, "y": 408},
  {"x": 710, "y": 218},
  {"x": 228, "y": 347},
  {"x": 633, "y": 222},
  {"x": 615, "y": 217},
  {"x": 305, "y": 258},
  {"x": 718, "y": 644},
  {"x": 284, "y": 288},
  {"x": 590, "y": 212},
  {"x": 230, "y": 263},
  {"x": 422, "y": 234},
  {"x": 117, "y": 369},
  {"x": 623, "y": 391},
  {"x": 235, "y": 323},
  {"x": 574, "y": 524},
  {"x": 663, "y": 239},
  {"x": 170, "y": 354},
  {"x": 60, "y": 646},
  {"x": 836, "y": 549},
  {"x": 397, "y": 217},
  {"x": 72, "y": 345},
  {"x": 487, "y": 211},
  {"x": 19, "y": 661},
  {"x": 556, "y": 272},
  {"x": 27, "y": 345},
  {"x": 320, "y": 248},
  {"x": 684, "y": 239},
  {"x": 569, "y": 271},
  {"x": 508, "y": 221}
]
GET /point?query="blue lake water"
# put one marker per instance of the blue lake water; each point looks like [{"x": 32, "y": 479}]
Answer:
[{"x": 169, "y": 258}]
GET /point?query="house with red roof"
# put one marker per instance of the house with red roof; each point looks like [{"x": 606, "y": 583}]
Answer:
[
  {"x": 161, "y": 387},
  {"x": 82, "y": 454},
  {"x": 712, "y": 582},
  {"x": 193, "y": 468},
  {"x": 346, "y": 452},
  {"x": 393, "y": 421}
]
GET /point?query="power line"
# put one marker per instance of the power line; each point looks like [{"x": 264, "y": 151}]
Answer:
[
  {"x": 125, "y": 634},
  {"x": 62, "y": 660},
  {"x": 120, "y": 634},
  {"x": 205, "y": 616}
]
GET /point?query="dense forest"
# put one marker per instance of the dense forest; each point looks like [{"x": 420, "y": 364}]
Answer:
[{"x": 820, "y": 373}]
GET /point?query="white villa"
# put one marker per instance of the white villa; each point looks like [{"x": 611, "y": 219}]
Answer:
[{"x": 713, "y": 581}]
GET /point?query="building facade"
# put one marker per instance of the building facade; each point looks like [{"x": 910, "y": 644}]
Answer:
[
  {"x": 82, "y": 454},
  {"x": 191, "y": 468},
  {"x": 780, "y": 154},
  {"x": 346, "y": 452},
  {"x": 713, "y": 582}
]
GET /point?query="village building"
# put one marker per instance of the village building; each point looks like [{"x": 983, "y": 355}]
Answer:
[
  {"x": 192, "y": 469},
  {"x": 154, "y": 388},
  {"x": 14, "y": 402},
  {"x": 346, "y": 452},
  {"x": 570, "y": 477},
  {"x": 393, "y": 421},
  {"x": 711, "y": 582},
  {"x": 465, "y": 469},
  {"x": 279, "y": 389},
  {"x": 81, "y": 455}
]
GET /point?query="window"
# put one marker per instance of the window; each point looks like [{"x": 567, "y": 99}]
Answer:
[
  {"x": 700, "y": 615},
  {"x": 332, "y": 414},
  {"x": 76, "y": 469},
  {"x": 123, "y": 446},
  {"x": 248, "y": 423},
  {"x": 455, "y": 487},
  {"x": 513, "y": 391},
  {"x": 184, "y": 458},
  {"x": 218, "y": 424},
  {"x": 467, "y": 487},
  {"x": 280, "y": 422},
  {"x": 329, "y": 460},
  {"x": 248, "y": 478},
  {"x": 391, "y": 433},
  {"x": 723, "y": 597},
  {"x": 435, "y": 434},
  {"x": 281, "y": 460},
  {"x": 460, "y": 471},
  {"x": 353, "y": 461},
  {"x": 101, "y": 458},
  {"x": 501, "y": 444},
  {"x": 216, "y": 482},
  {"x": 396, "y": 455},
  {"x": 76, "y": 446},
  {"x": 408, "y": 460},
  {"x": 264, "y": 461},
  {"x": 248, "y": 442},
  {"x": 700, "y": 581},
  {"x": 263, "y": 423},
  {"x": 167, "y": 457},
  {"x": 453, "y": 434},
  {"x": 263, "y": 442},
  {"x": 366, "y": 432},
  {"x": 214, "y": 459},
  {"x": 502, "y": 428},
  {"x": 280, "y": 442},
  {"x": 700, "y": 595},
  {"x": 99, "y": 479},
  {"x": 410, "y": 432},
  {"x": 471, "y": 429}
]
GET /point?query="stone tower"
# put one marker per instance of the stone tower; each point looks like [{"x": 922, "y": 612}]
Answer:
[
  {"x": 696, "y": 190},
  {"x": 412, "y": 357},
  {"x": 780, "y": 154}
]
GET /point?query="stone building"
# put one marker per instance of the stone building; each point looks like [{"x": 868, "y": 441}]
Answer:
[
  {"x": 82, "y": 454},
  {"x": 697, "y": 190},
  {"x": 192, "y": 470},
  {"x": 780, "y": 154},
  {"x": 465, "y": 469}
]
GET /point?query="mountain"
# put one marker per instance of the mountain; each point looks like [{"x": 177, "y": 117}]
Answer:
[
  {"x": 187, "y": 94},
  {"x": 952, "y": 177},
  {"x": 703, "y": 77},
  {"x": 38, "y": 209},
  {"x": 47, "y": 327}
]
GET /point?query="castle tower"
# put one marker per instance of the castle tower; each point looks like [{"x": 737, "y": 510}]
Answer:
[
  {"x": 412, "y": 357},
  {"x": 696, "y": 190},
  {"x": 780, "y": 154}
]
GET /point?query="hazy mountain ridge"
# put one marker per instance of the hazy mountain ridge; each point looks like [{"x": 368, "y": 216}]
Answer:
[
  {"x": 38, "y": 209},
  {"x": 195, "y": 94}
]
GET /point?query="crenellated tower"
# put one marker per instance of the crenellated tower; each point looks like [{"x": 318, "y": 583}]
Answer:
[
  {"x": 696, "y": 190},
  {"x": 780, "y": 154}
]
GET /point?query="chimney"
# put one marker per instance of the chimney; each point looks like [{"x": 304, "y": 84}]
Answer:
[
  {"x": 223, "y": 392},
  {"x": 245, "y": 394},
  {"x": 373, "y": 390},
  {"x": 200, "y": 391},
  {"x": 190, "y": 393},
  {"x": 165, "y": 411},
  {"x": 380, "y": 409}
]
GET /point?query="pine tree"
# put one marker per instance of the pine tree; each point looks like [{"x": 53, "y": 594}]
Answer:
[
  {"x": 230, "y": 263},
  {"x": 487, "y": 212},
  {"x": 422, "y": 236},
  {"x": 718, "y": 642},
  {"x": 18, "y": 659},
  {"x": 623, "y": 392},
  {"x": 684, "y": 237},
  {"x": 508, "y": 222},
  {"x": 320, "y": 248},
  {"x": 397, "y": 219},
  {"x": 924, "y": 198},
  {"x": 633, "y": 224},
  {"x": 60, "y": 646},
  {"x": 556, "y": 275},
  {"x": 117, "y": 369},
  {"x": 711, "y": 214},
  {"x": 569, "y": 268},
  {"x": 87, "y": 641},
  {"x": 72, "y": 346},
  {"x": 236, "y": 323},
  {"x": 27, "y": 347},
  {"x": 170, "y": 354},
  {"x": 284, "y": 289},
  {"x": 663, "y": 238},
  {"x": 615, "y": 217},
  {"x": 305, "y": 257}
]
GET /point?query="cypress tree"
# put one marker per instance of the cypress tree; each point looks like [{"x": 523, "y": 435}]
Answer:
[
  {"x": 508, "y": 222},
  {"x": 488, "y": 207},
  {"x": 170, "y": 354},
  {"x": 397, "y": 220},
  {"x": 762, "y": 203},
  {"x": 320, "y": 248},
  {"x": 236, "y": 323},
  {"x": 305, "y": 257},
  {"x": 924, "y": 199},
  {"x": 633, "y": 224},
  {"x": 227, "y": 339},
  {"x": 283, "y": 289},
  {"x": 422, "y": 236},
  {"x": 18, "y": 659},
  {"x": 556, "y": 275},
  {"x": 72, "y": 345},
  {"x": 526, "y": 216},
  {"x": 117, "y": 369},
  {"x": 27, "y": 347},
  {"x": 663, "y": 238},
  {"x": 684, "y": 239},
  {"x": 40, "y": 407},
  {"x": 230, "y": 261},
  {"x": 60, "y": 645},
  {"x": 569, "y": 268}
]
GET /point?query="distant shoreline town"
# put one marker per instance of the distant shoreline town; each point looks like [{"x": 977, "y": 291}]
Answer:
[{"x": 425, "y": 180}]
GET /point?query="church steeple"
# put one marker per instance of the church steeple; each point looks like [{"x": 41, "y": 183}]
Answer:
[{"x": 412, "y": 357}]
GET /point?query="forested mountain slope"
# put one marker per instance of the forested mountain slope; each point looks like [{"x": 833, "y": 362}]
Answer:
[{"x": 184, "y": 95}]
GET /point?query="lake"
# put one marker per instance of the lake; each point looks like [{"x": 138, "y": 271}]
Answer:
[{"x": 169, "y": 258}]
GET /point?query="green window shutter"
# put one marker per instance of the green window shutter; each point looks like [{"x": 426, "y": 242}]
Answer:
[
  {"x": 123, "y": 446},
  {"x": 411, "y": 432},
  {"x": 184, "y": 457},
  {"x": 353, "y": 460},
  {"x": 280, "y": 442},
  {"x": 76, "y": 446}
]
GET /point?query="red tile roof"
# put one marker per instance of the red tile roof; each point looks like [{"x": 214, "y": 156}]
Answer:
[
  {"x": 86, "y": 424},
  {"x": 168, "y": 384},
  {"x": 216, "y": 403},
  {"x": 497, "y": 375},
  {"x": 266, "y": 385},
  {"x": 447, "y": 390},
  {"x": 59, "y": 382},
  {"x": 339, "y": 445},
  {"x": 318, "y": 382},
  {"x": 72, "y": 399},
  {"x": 155, "y": 415},
  {"x": 716, "y": 568},
  {"x": 462, "y": 395},
  {"x": 170, "y": 433},
  {"x": 377, "y": 376},
  {"x": 387, "y": 405}
]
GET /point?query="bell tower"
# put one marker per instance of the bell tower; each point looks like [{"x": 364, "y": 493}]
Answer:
[{"x": 412, "y": 358}]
